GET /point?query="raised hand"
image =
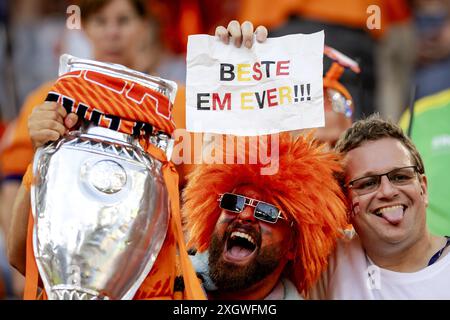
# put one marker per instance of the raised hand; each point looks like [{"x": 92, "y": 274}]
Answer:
[{"x": 241, "y": 33}]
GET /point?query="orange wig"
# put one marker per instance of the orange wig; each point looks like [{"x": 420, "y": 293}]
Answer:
[{"x": 304, "y": 188}]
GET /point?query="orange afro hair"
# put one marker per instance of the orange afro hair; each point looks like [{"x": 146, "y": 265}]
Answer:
[{"x": 304, "y": 188}]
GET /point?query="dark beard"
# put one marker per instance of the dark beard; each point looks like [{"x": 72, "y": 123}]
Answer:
[{"x": 229, "y": 277}]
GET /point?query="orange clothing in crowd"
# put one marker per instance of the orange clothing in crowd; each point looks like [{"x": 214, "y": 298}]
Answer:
[
  {"x": 350, "y": 13},
  {"x": 17, "y": 151}
]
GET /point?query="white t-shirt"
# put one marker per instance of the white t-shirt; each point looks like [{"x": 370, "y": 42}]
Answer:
[
  {"x": 284, "y": 290},
  {"x": 351, "y": 275}
]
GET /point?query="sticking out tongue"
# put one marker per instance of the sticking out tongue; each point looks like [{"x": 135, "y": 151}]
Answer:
[
  {"x": 239, "y": 252},
  {"x": 393, "y": 215}
]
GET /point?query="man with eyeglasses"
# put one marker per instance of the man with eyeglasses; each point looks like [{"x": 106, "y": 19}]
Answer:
[
  {"x": 265, "y": 236},
  {"x": 392, "y": 255}
]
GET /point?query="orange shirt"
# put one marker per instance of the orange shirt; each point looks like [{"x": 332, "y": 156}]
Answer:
[
  {"x": 351, "y": 13},
  {"x": 2, "y": 128}
]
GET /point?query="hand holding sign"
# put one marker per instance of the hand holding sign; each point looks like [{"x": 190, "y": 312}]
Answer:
[{"x": 272, "y": 87}]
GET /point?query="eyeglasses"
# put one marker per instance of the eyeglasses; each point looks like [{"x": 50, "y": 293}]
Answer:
[
  {"x": 398, "y": 177},
  {"x": 263, "y": 211}
]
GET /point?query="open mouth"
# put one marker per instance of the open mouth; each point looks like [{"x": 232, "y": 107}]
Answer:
[
  {"x": 240, "y": 247},
  {"x": 392, "y": 214}
]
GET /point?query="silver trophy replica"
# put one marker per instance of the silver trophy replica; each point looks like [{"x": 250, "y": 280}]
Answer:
[{"x": 100, "y": 204}]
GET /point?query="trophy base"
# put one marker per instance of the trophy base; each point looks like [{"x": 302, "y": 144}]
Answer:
[{"x": 71, "y": 292}]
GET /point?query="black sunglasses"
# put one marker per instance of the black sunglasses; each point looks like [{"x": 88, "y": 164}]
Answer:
[{"x": 263, "y": 211}]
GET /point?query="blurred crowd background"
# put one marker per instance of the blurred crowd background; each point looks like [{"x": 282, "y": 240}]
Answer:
[{"x": 405, "y": 58}]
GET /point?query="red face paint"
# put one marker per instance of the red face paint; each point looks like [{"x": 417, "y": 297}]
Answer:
[{"x": 355, "y": 208}]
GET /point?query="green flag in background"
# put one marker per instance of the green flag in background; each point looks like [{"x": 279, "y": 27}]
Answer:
[{"x": 431, "y": 134}]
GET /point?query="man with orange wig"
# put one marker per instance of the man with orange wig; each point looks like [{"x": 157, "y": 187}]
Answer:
[{"x": 265, "y": 236}]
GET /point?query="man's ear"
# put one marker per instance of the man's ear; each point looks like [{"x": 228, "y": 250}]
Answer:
[
  {"x": 424, "y": 188},
  {"x": 290, "y": 254}
]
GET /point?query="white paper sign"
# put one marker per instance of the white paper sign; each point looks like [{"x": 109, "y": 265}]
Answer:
[{"x": 275, "y": 86}]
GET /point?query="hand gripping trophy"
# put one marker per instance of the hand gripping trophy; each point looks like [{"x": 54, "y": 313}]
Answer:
[{"x": 105, "y": 206}]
